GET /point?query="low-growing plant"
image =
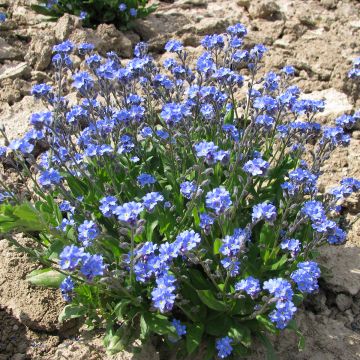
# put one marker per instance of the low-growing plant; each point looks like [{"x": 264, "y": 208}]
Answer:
[
  {"x": 175, "y": 203},
  {"x": 94, "y": 12}
]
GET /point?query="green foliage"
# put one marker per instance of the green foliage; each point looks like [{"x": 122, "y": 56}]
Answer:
[{"x": 97, "y": 11}]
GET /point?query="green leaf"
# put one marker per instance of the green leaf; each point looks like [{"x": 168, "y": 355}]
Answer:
[
  {"x": 144, "y": 329},
  {"x": 270, "y": 352},
  {"x": 71, "y": 311},
  {"x": 240, "y": 333},
  {"x": 218, "y": 325},
  {"x": 266, "y": 323},
  {"x": 116, "y": 340},
  {"x": 277, "y": 265},
  {"x": 293, "y": 326},
  {"x": 159, "y": 324},
  {"x": 45, "y": 277},
  {"x": 216, "y": 246},
  {"x": 298, "y": 299},
  {"x": 198, "y": 280},
  {"x": 121, "y": 308},
  {"x": 229, "y": 117},
  {"x": 194, "y": 334},
  {"x": 150, "y": 230},
  {"x": 208, "y": 298}
]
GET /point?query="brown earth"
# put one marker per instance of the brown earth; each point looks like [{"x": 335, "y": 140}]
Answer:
[{"x": 319, "y": 37}]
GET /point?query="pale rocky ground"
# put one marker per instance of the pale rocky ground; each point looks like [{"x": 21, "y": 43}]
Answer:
[{"x": 319, "y": 37}]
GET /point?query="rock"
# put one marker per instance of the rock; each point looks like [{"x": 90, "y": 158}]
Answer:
[
  {"x": 18, "y": 356},
  {"x": 15, "y": 70},
  {"x": 115, "y": 39},
  {"x": 336, "y": 103},
  {"x": 343, "y": 302},
  {"x": 40, "y": 51},
  {"x": 65, "y": 26},
  {"x": 244, "y": 3},
  {"x": 344, "y": 265},
  {"x": 16, "y": 118},
  {"x": 329, "y": 4},
  {"x": 160, "y": 24},
  {"x": 35, "y": 307},
  {"x": 8, "y": 52},
  {"x": 265, "y": 9}
]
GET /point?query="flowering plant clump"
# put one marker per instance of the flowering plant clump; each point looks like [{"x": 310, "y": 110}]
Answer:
[
  {"x": 118, "y": 12},
  {"x": 170, "y": 202}
]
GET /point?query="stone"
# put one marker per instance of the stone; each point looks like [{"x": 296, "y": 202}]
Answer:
[
  {"x": 265, "y": 9},
  {"x": 15, "y": 70},
  {"x": 35, "y": 307},
  {"x": 8, "y": 52},
  {"x": 244, "y": 3},
  {"x": 344, "y": 265},
  {"x": 343, "y": 302},
  {"x": 40, "y": 51},
  {"x": 336, "y": 103},
  {"x": 329, "y": 4},
  {"x": 159, "y": 24},
  {"x": 115, "y": 39},
  {"x": 65, "y": 26},
  {"x": 18, "y": 356}
]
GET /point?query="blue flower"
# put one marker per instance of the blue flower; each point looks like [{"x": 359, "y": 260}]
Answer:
[
  {"x": 145, "y": 179},
  {"x": 187, "y": 240},
  {"x": 265, "y": 121},
  {"x": 271, "y": 82},
  {"x": 133, "y": 12},
  {"x": 280, "y": 288},
  {"x": 306, "y": 276},
  {"x": 314, "y": 210},
  {"x": 162, "y": 295},
  {"x": 174, "y": 46},
  {"x": 108, "y": 205},
  {"x": 288, "y": 70},
  {"x": 41, "y": 91},
  {"x": 173, "y": 113},
  {"x": 291, "y": 245},
  {"x": 64, "y": 48},
  {"x": 206, "y": 150},
  {"x": 179, "y": 327},
  {"x": 214, "y": 41},
  {"x": 151, "y": 199},
  {"x": 188, "y": 189},
  {"x": 49, "y": 177},
  {"x": 66, "y": 287},
  {"x": 2, "y": 17},
  {"x": 256, "y": 167},
  {"x": 83, "y": 81},
  {"x": 85, "y": 48},
  {"x": 122, "y": 7},
  {"x": 129, "y": 212},
  {"x": 41, "y": 120},
  {"x": 206, "y": 221},
  {"x": 218, "y": 200},
  {"x": 93, "y": 265},
  {"x": 231, "y": 265},
  {"x": 345, "y": 121},
  {"x": 223, "y": 346},
  {"x": 83, "y": 15},
  {"x": 237, "y": 29},
  {"x": 22, "y": 145},
  {"x": 265, "y": 212},
  {"x": 88, "y": 232},
  {"x": 250, "y": 286},
  {"x": 337, "y": 236},
  {"x": 71, "y": 257},
  {"x": 232, "y": 245},
  {"x": 283, "y": 313},
  {"x": 266, "y": 103}
]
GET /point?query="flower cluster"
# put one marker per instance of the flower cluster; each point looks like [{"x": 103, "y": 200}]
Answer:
[{"x": 168, "y": 202}]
